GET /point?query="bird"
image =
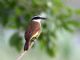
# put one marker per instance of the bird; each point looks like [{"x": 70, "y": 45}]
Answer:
[{"x": 33, "y": 31}]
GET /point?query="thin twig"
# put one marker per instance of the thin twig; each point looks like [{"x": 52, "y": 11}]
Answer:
[{"x": 23, "y": 53}]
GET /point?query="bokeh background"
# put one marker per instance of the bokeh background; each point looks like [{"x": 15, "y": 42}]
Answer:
[{"x": 60, "y": 38}]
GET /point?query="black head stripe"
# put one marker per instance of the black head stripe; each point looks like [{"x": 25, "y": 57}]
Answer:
[{"x": 36, "y": 18}]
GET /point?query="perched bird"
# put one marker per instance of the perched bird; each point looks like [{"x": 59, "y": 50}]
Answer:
[{"x": 33, "y": 31}]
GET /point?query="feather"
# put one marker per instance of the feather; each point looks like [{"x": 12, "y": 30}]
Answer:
[{"x": 33, "y": 31}]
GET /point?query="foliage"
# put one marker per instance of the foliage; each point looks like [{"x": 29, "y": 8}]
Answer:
[
  {"x": 16, "y": 41},
  {"x": 16, "y": 14}
]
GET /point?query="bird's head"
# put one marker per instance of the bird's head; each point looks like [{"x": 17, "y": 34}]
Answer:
[{"x": 38, "y": 18}]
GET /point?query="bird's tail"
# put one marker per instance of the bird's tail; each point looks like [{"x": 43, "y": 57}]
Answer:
[{"x": 26, "y": 46}]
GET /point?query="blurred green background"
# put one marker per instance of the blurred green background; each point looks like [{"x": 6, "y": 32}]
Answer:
[{"x": 60, "y": 38}]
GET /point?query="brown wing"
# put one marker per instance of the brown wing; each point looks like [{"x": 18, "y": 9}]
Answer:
[{"x": 32, "y": 29}]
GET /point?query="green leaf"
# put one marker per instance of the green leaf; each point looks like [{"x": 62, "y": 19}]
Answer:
[
  {"x": 77, "y": 11},
  {"x": 58, "y": 3},
  {"x": 74, "y": 23},
  {"x": 16, "y": 41},
  {"x": 50, "y": 52},
  {"x": 66, "y": 27}
]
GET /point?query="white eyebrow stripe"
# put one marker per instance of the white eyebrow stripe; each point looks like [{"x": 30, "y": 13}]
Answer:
[{"x": 38, "y": 20}]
